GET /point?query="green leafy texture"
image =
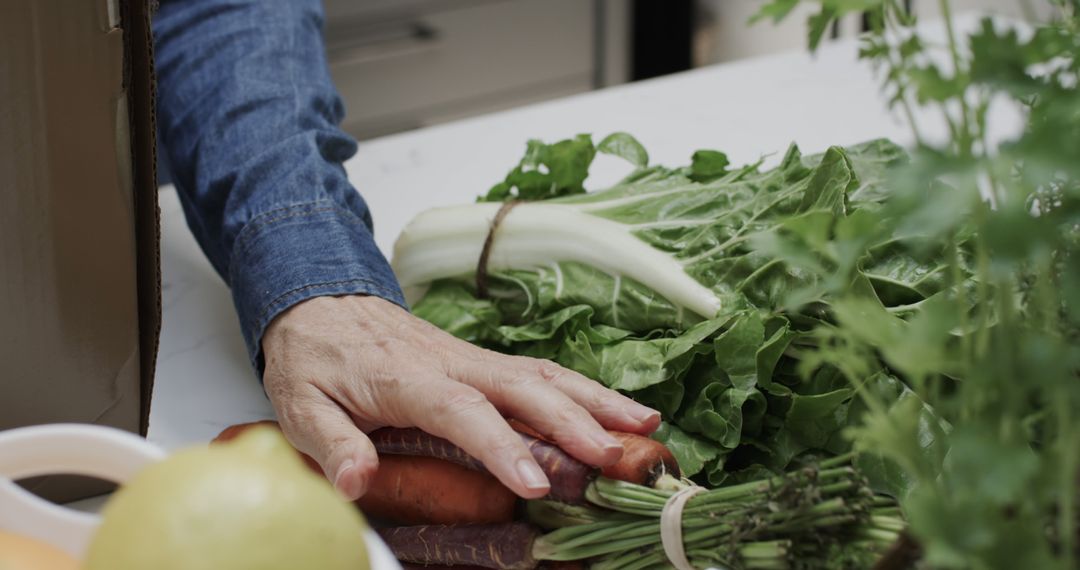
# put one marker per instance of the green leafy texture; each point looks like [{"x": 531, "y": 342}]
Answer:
[
  {"x": 814, "y": 419},
  {"x": 457, "y": 311},
  {"x": 985, "y": 331},
  {"x": 819, "y": 24},
  {"x": 692, "y": 452},
  {"x": 708, "y": 165},
  {"x": 776, "y": 10},
  {"x": 634, "y": 364},
  {"x": 716, "y": 399},
  {"x": 626, "y": 147},
  {"x": 559, "y": 169},
  {"x": 730, "y": 385},
  {"x": 894, "y": 298},
  {"x": 547, "y": 171},
  {"x": 903, "y": 439}
]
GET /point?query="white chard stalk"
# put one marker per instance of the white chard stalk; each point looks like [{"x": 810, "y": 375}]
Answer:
[{"x": 447, "y": 242}]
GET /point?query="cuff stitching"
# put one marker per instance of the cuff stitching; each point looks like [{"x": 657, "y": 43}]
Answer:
[
  {"x": 260, "y": 221},
  {"x": 371, "y": 284},
  {"x": 256, "y": 223}
]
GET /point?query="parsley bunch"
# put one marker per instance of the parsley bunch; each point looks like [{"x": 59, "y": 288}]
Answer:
[{"x": 996, "y": 354}]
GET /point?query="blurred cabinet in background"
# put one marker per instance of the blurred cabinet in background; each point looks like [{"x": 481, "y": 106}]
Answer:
[
  {"x": 404, "y": 64},
  {"x": 1019, "y": 9},
  {"x": 723, "y": 32}
]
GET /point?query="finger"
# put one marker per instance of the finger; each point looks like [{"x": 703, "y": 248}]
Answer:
[
  {"x": 464, "y": 416},
  {"x": 525, "y": 395},
  {"x": 613, "y": 410},
  {"x": 317, "y": 426}
]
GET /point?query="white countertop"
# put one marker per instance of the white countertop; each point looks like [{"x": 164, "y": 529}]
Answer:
[{"x": 747, "y": 109}]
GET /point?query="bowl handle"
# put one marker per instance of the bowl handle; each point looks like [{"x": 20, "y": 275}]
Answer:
[{"x": 74, "y": 449}]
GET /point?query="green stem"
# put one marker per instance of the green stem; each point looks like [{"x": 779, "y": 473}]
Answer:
[
  {"x": 553, "y": 514},
  {"x": 1067, "y": 509},
  {"x": 749, "y": 525},
  {"x": 903, "y": 21},
  {"x": 966, "y": 140}
]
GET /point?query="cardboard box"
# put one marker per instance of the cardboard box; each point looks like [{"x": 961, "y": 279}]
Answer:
[{"x": 79, "y": 269}]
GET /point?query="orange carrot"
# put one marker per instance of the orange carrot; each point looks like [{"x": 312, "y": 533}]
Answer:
[
  {"x": 422, "y": 490},
  {"x": 643, "y": 460}
]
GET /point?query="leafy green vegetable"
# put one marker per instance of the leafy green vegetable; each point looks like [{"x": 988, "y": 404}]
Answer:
[
  {"x": 708, "y": 165},
  {"x": 547, "y": 170},
  {"x": 560, "y": 169},
  {"x": 692, "y": 452},
  {"x": 924, "y": 310},
  {"x": 626, "y": 147},
  {"x": 985, "y": 333},
  {"x": 722, "y": 361}
]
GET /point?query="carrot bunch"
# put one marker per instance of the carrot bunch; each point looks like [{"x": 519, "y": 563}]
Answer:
[
  {"x": 442, "y": 496},
  {"x": 444, "y": 509},
  {"x": 424, "y": 479}
]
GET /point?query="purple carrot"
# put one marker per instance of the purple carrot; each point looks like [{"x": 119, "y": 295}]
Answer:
[
  {"x": 568, "y": 477},
  {"x": 505, "y": 546}
]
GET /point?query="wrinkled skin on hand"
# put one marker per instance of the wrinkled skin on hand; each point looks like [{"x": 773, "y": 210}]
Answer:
[{"x": 339, "y": 367}]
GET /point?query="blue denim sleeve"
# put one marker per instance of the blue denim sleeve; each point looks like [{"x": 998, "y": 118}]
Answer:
[{"x": 249, "y": 118}]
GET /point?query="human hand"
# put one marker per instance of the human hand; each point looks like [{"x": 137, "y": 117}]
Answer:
[{"x": 338, "y": 367}]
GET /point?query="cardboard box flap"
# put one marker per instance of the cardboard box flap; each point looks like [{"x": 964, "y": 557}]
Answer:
[
  {"x": 141, "y": 88},
  {"x": 79, "y": 278}
]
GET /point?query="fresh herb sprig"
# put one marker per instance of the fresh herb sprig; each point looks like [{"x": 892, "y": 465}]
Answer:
[{"x": 997, "y": 352}]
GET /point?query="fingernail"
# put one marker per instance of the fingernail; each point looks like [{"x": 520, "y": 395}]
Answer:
[
  {"x": 531, "y": 475},
  {"x": 644, "y": 415},
  {"x": 345, "y": 466},
  {"x": 607, "y": 442}
]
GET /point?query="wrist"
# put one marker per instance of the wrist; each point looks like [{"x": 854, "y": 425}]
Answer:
[{"x": 325, "y": 314}]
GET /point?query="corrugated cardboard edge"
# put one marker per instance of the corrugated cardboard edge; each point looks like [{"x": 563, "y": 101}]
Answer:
[
  {"x": 131, "y": 79},
  {"x": 141, "y": 86}
]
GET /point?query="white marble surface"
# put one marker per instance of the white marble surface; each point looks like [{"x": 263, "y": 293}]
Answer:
[
  {"x": 203, "y": 381},
  {"x": 747, "y": 109}
]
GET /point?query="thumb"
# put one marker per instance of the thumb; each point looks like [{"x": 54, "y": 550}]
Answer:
[{"x": 319, "y": 427}]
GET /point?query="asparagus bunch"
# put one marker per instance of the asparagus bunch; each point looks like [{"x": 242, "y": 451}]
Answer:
[{"x": 819, "y": 517}]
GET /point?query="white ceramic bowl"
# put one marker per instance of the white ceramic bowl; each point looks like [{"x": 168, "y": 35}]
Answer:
[{"x": 95, "y": 451}]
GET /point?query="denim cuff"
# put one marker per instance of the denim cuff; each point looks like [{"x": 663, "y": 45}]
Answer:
[{"x": 298, "y": 252}]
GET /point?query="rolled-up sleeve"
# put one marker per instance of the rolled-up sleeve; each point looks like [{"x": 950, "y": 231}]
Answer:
[{"x": 249, "y": 119}]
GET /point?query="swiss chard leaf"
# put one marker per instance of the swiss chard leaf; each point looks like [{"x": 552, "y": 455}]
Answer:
[
  {"x": 692, "y": 452},
  {"x": 547, "y": 171},
  {"x": 708, "y": 165},
  {"x": 626, "y": 147}
]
